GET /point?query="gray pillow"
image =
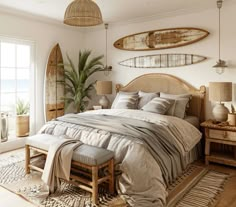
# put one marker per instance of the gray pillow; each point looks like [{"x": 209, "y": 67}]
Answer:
[
  {"x": 178, "y": 109},
  {"x": 125, "y": 100},
  {"x": 144, "y": 98},
  {"x": 180, "y": 106},
  {"x": 158, "y": 105}
]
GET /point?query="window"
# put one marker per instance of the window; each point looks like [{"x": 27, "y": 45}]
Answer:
[{"x": 17, "y": 79}]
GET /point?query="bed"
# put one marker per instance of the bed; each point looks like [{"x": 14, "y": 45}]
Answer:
[{"x": 151, "y": 150}]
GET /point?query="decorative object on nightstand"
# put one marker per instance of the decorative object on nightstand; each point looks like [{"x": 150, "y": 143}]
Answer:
[
  {"x": 221, "y": 134},
  {"x": 232, "y": 116},
  {"x": 220, "y": 91},
  {"x": 103, "y": 88},
  {"x": 221, "y": 64}
]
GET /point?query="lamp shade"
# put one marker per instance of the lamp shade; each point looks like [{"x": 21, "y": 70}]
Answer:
[
  {"x": 104, "y": 87},
  {"x": 83, "y": 13},
  {"x": 220, "y": 91}
]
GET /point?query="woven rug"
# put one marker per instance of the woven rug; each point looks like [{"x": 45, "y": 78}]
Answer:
[{"x": 195, "y": 188}]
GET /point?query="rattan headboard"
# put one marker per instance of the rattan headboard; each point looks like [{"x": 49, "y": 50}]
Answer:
[{"x": 159, "y": 82}]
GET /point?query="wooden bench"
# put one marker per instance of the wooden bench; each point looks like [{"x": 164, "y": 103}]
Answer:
[{"x": 87, "y": 160}]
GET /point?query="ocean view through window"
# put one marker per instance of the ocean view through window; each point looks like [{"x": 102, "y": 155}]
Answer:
[{"x": 17, "y": 82}]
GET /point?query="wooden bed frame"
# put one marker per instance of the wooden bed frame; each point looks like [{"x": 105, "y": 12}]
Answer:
[{"x": 159, "y": 82}]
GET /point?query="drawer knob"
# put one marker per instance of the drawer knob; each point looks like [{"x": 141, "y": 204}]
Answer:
[{"x": 225, "y": 134}]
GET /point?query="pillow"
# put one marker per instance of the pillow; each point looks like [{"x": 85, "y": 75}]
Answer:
[
  {"x": 174, "y": 96},
  {"x": 178, "y": 109},
  {"x": 158, "y": 105},
  {"x": 144, "y": 98},
  {"x": 125, "y": 100}
]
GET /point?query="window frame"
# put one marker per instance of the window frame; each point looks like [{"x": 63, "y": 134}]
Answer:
[{"x": 32, "y": 76}]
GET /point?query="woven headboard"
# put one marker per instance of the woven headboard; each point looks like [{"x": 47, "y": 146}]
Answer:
[{"x": 159, "y": 82}]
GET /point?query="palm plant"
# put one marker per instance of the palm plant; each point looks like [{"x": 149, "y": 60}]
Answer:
[{"x": 77, "y": 92}]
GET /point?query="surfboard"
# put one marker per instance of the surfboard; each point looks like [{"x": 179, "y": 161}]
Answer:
[
  {"x": 54, "y": 91},
  {"x": 161, "y": 39},
  {"x": 162, "y": 61}
]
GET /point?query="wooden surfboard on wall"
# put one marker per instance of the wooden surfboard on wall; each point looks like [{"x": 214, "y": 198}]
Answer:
[
  {"x": 54, "y": 91},
  {"x": 162, "y": 61},
  {"x": 161, "y": 39}
]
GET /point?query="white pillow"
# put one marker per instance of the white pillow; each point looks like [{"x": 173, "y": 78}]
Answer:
[
  {"x": 158, "y": 105},
  {"x": 145, "y": 97},
  {"x": 125, "y": 100}
]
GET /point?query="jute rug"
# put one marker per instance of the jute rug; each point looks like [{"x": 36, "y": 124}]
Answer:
[{"x": 197, "y": 187}]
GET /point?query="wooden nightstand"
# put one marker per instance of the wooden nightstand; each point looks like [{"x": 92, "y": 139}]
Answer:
[{"x": 216, "y": 133}]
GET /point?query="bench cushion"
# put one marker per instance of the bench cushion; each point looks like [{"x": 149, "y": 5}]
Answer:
[
  {"x": 91, "y": 155},
  {"x": 42, "y": 141},
  {"x": 86, "y": 154}
]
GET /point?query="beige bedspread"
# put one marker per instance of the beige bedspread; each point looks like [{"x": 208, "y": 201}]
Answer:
[{"x": 141, "y": 176}]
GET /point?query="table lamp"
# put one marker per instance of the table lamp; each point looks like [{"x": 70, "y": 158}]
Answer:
[
  {"x": 220, "y": 92},
  {"x": 103, "y": 88}
]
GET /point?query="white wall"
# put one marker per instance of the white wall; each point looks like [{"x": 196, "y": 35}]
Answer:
[
  {"x": 196, "y": 75},
  {"x": 45, "y": 36}
]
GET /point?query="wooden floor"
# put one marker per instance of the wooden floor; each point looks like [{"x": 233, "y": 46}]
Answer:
[{"x": 226, "y": 199}]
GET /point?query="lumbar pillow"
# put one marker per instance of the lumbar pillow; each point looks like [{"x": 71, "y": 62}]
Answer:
[
  {"x": 158, "y": 105},
  {"x": 125, "y": 100},
  {"x": 144, "y": 98}
]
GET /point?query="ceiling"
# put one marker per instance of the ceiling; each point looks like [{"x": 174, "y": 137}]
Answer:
[{"x": 113, "y": 11}]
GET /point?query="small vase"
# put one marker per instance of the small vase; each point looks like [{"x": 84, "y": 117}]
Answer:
[{"x": 232, "y": 119}]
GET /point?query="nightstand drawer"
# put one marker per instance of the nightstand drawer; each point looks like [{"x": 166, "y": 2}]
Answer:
[{"x": 224, "y": 135}]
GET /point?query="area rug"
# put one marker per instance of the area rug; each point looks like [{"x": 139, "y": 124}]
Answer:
[{"x": 197, "y": 187}]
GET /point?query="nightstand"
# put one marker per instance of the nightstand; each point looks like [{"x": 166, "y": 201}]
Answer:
[{"x": 222, "y": 134}]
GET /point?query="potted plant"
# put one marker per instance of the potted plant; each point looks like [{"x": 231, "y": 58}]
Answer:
[
  {"x": 76, "y": 87},
  {"x": 22, "y": 118}
]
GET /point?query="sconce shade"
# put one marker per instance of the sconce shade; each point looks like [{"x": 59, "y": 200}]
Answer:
[
  {"x": 83, "y": 13},
  {"x": 104, "y": 87},
  {"x": 220, "y": 91}
]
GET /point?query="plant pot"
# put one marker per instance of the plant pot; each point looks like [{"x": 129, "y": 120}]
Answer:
[{"x": 22, "y": 125}]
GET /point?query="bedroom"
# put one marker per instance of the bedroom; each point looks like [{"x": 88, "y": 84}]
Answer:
[{"x": 45, "y": 33}]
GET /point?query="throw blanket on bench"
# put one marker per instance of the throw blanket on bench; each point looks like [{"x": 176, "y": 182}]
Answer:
[{"x": 58, "y": 163}]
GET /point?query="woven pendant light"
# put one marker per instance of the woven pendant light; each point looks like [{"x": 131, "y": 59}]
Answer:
[{"x": 83, "y": 13}]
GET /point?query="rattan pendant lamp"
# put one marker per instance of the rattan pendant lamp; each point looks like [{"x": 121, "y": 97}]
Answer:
[{"x": 83, "y": 13}]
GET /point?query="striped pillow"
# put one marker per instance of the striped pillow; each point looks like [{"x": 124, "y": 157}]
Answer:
[
  {"x": 125, "y": 100},
  {"x": 158, "y": 105},
  {"x": 145, "y": 97}
]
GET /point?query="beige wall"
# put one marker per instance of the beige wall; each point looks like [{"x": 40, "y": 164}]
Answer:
[
  {"x": 45, "y": 35},
  {"x": 198, "y": 74}
]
